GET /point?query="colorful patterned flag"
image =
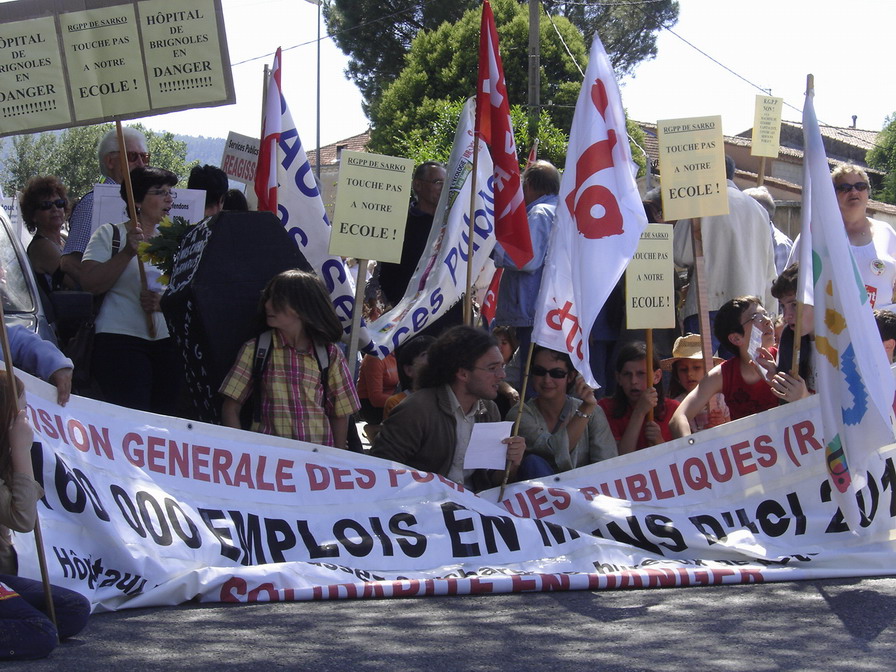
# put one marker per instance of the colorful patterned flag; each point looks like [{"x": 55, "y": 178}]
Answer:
[
  {"x": 494, "y": 128},
  {"x": 852, "y": 373},
  {"x": 599, "y": 219}
]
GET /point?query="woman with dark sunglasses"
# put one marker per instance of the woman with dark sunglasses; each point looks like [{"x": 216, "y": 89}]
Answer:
[
  {"x": 562, "y": 432},
  {"x": 873, "y": 242},
  {"x": 45, "y": 208}
]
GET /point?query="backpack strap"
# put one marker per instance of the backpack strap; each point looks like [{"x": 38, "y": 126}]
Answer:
[
  {"x": 321, "y": 355},
  {"x": 259, "y": 362},
  {"x": 116, "y": 240}
]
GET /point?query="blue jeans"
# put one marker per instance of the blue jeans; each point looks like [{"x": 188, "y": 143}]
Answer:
[
  {"x": 534, "y": 466},
  {"x": 692, "y": 326},
  {"x": 26, "y": 632}
]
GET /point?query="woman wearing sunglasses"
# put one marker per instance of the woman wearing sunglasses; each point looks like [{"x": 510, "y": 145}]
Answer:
[
  {"x": 45, "y": 208},
  {"x": 873, "y": 242},
  {"x": 133, "y": 368},
  {"x": 562, "y": 432}
]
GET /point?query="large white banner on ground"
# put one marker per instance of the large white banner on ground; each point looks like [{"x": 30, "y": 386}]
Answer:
[{"x": 144, "y": 510}]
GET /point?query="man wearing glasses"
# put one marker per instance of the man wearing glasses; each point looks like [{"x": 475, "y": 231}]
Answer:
[
  {"x": 110, "y": 168},
  {"x": 430, "y": 430}
]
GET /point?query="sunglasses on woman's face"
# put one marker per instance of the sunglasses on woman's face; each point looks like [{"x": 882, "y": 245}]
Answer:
[
  {"x": 553, "y": 373},
  {"x": 846, "y": 187},
  {"x": 46, "y": 205}
]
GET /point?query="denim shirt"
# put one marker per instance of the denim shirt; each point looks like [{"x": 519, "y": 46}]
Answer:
[{"x": 519, "y": 286}]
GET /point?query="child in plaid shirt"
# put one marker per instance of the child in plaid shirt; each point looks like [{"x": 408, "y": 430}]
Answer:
[{"x": 295, "y": 401}]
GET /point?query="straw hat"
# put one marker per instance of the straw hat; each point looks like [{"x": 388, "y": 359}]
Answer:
[{"x": 687, "y": 347}]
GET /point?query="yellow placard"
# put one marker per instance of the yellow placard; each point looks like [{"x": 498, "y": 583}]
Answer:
[
  {"x": 183, "y": 59},
  {"x": 105, "y": 67},
  {"x": 767, "y": 126},
  {"x": 649, "y": 281},
  {"x": 32, "y": 86},
  {"x": 65, "y": 62},
  {"x": 692, "y": 167},
  {"x": 371, "y": 206}
]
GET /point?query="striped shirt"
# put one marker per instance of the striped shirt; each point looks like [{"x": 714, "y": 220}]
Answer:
[{"x": 292, "y": 393}]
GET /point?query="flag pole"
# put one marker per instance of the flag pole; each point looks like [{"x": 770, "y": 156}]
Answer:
[
  {"x": 38, "y": 537},
  {"x": 798, "y": 327},
  {"x": 468, "y": 295},
  {"x": 519, "y": 416},
  {"x": 357, "y": 309},
  {"x": 132, "y": 213}
]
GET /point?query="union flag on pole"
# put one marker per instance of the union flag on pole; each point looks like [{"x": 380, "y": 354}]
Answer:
[
  {"x": 599, "y": 219},
  {"x": 494, "y": 128},
  {"x": 266, "y": 174}
]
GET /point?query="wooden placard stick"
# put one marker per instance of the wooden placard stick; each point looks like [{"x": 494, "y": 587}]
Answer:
[
  {"x": 519, "y": 415},
  {"x": 132, "y": 213},
  {"x": 13, "y": 396},
  {"x": 650, "y": 372},
  {"x": 357, "y": 312},
  {"x": 761, "y": 177},
  {"x": 468, "y": 295},
  {"x": 699, "y": 277}
]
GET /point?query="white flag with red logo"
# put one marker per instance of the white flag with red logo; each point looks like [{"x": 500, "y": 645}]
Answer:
[
  {"x": 599, "y": 219},
  {"x": 494, "y": 128}
]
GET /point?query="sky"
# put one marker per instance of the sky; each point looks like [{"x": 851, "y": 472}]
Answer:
[{"x": 772, "y": 43}]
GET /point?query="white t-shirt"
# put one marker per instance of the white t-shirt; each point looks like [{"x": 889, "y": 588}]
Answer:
[
  {"x": 876, "y": 260},
  {"x": 121, "y": 312}
]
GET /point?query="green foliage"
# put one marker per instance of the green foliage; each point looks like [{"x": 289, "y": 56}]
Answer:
[
  {"x": 71, "y": 156},
  {"x": 433, "y": 142},
  {"x": 442, "y": 66},
  {"x": 883, "y": 157},
  {"x": 377, "y": 34}
]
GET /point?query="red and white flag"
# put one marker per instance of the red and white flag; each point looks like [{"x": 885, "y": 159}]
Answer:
[
  {"x": 494, "y": 128},
  {"x": 599, "y": 219},
  {"x": 266, "y": 174},
  {"x": 490, "y": 305}
]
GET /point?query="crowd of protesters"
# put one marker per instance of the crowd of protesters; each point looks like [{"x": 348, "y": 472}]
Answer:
[{"x": 419, "y": 405}]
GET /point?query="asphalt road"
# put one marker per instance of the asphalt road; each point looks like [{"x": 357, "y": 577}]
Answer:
[{"x": 830, "y": 625}]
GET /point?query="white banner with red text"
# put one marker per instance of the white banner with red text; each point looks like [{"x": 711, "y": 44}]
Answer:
[{"x": 143, "y": 510}]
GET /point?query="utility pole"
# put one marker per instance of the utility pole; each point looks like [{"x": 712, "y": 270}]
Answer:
[{"x": 534, "y": 65}]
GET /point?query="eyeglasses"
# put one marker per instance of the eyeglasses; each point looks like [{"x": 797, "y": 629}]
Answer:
[
  {"x": 58, "y": 203},
  {"x": 756, "y": 317},
  {"x": 553, "y": 373},
  {"x": 494, "y": 369},
  {"x": 164, "y": 193},
  {"x": 436, "y": 182},
  {"x": 846, "y": 187},
  {"x": 133, "y": 156}
]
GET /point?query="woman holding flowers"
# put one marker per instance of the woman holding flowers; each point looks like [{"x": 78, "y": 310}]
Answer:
[{"x": 133, "y": 367}]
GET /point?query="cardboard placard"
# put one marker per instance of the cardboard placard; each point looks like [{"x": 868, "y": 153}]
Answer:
[
  {"x": 240, "y": 157},
  {"x": 649, "y": 281},
  {"x": 90, "y": 61},
  {"x": 110, "y": 208},
  {"x": 371, "y": 206},
  {"x": 692, "y": 167},
  {"x": 767, "y": 126}
]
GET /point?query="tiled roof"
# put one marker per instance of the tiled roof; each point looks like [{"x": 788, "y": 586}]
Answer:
[
  {"x": 329, "y": 154},
  {"x": 856, "y": 137}
]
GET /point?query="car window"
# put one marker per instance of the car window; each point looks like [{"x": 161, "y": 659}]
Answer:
[{"x": 16, "y": 296}]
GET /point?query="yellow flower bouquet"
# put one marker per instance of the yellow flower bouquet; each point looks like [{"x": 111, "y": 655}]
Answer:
[{"x": 161, "y": 249}]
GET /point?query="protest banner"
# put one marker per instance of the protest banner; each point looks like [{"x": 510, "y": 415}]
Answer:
[
  {"x": 692, "y": 163},
  {"x": 649, "y": 282},
  {"x": 285, "y": 185},
  {"x": 90, "y": 61},
  {"x": 371, "y": 206},
  {"x": 145, "y": 510},
  {"x": 240, "y": 158}
]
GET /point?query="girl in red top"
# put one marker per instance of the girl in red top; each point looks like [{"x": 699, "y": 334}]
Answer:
[{"x": 638, "y": 391}]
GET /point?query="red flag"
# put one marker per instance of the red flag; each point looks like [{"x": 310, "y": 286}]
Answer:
[
  {"x": 490, "y": 304},
  {"x": 266, "y": 173},
  {"x": 493, "y": 126}
]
